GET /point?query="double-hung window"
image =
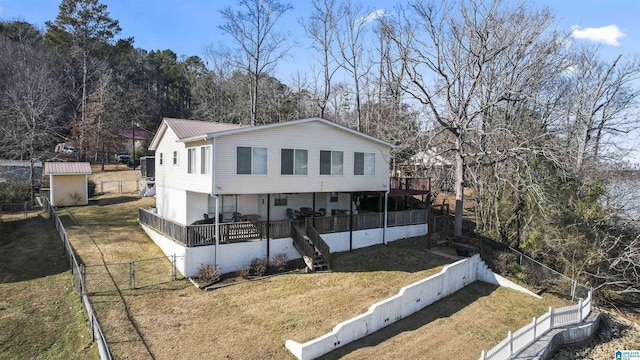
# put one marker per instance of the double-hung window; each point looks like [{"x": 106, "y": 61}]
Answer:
[
  {"x": 161, "y": 159},
  {"x": 251, "y": 160},
  {"x": 205, "y": 160},
  {"x": 331, "y": 162},
  {"x": 175, "y": 158},
  {"x": 293, "y": 162},
  {"x": 364, "y": 163},
  {"x": 191, "y": 160}
]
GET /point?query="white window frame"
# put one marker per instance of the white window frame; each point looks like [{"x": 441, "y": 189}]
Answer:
[
  {"x": 175, "y": 158},
  {"x": 335, "y": 168},
  {"x": 303, "y": 171},
  {"x": 205, "y": 160},
  {"x": 368, "y": 164},
  {"x": 255, "y": 167},
  {"x": 191, "y": 160}
]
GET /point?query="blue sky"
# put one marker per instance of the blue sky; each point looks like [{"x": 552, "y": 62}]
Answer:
[{"x": 189, "y": 26}]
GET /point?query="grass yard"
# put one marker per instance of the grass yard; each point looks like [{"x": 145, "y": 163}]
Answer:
[
  {"x": 41, "y": 316},
  {"x": 253, "y": 320}
]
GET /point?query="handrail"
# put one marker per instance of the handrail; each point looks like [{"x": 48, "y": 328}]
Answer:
[
  {"x": 319, "y": 243},
  {"x": 302, "y": 245}
]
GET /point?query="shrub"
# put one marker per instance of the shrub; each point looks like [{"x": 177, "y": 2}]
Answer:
[
  {"x": 91, "y": 188},
  {"x": 243, "y": 271},
  {"x": 209, "y": 273},
  {"x": 258, "y": 267},
  {"x": 280, "y": 261}
]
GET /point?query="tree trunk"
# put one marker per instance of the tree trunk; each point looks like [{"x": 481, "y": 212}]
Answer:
[{"x": 459, "y": 186}]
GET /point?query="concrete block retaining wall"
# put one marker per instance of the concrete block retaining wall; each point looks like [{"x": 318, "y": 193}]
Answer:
[{"x": 409, "y": 300}]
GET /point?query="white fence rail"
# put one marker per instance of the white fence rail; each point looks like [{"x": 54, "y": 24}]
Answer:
[{"x": 528, "y": 334}]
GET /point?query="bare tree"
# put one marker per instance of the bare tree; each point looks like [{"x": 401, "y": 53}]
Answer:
[
  {"x": 603, "y": 100},
  {"x": 321, "y": 28},
  {"x": 447, "y": 50},
  {"x": 259, "y": 45},
  {"x": 351, "y": 54},
  {"x": 29, "y": 104}
]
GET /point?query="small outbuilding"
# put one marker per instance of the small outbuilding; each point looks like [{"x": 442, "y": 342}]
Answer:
[{"x": 68, "y": 182}]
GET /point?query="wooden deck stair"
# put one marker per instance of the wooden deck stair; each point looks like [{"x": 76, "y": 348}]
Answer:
[{"x": 319, "y": 262}]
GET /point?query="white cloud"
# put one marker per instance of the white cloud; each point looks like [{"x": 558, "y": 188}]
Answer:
[
  {"x": 609, "y": 35},
  {"x": 374, "y": 15}
]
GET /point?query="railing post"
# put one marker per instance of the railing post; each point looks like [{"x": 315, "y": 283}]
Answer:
[
  {"x": 510, "y": 337},
  {"x": 580, "y": 310},
  {"x": 550, "y": 317},
  {"x": 535, "y": 328},
  {"x": 483, "y": 355},
  {"x": 573, "y": 290}
]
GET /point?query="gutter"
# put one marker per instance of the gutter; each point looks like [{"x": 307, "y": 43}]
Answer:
[{"x": 386, "y": 202}]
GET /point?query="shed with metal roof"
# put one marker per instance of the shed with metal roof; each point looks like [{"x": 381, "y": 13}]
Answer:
[{"x": 69, "y": 182}]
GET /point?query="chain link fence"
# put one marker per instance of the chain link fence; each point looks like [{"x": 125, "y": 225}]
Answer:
[
  {"x": 119, "y": 186},
  {"x": 100, "y": 279}
]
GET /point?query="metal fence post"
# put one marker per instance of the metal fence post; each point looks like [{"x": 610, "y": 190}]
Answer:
[
  {"x": 132, "y": 278},
  {"x": 173, "y": 267}
]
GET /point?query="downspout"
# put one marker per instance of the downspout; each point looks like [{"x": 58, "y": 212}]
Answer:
[
  {"x": 350, "y": 222},
  {"x": 386, "y": 201},
  {"x": 214, "y": 194},
  {"x": 268, "y": 225}
]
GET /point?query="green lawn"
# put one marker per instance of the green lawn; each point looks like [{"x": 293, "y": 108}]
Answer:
[{"x": 41, "y": 316}]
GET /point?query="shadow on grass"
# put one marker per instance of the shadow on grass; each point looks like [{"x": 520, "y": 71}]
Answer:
[
  {"x": 402, "y": 255},
  {"x": 438, "y": 310},
  {"x": 30, "y": 249},
  {"x": 113, "y": 200}
]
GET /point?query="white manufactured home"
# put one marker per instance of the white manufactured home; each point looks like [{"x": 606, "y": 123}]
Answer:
[{"x": 226, "y": 193}]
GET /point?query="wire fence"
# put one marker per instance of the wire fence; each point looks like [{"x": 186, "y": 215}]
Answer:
[
  {"x": 77, "y": 271},
  {"x": 119, "y": 186},
  {"x": 100, "y": 279}
]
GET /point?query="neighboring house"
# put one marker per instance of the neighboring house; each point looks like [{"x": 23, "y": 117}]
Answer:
[
  {"x": 253, "y": 181},
  {"x": 68, "y": 183},
  {"x": 129, "y": 137},
  {"x": 20, "y": 170}
]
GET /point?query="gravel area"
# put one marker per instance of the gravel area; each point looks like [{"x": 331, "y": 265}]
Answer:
[{"x": 616, "y": 333}]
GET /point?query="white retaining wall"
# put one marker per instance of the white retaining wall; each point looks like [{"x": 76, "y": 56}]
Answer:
[
  {"x": 409, "y": 300},
  {"x": 232, "y": 257}
]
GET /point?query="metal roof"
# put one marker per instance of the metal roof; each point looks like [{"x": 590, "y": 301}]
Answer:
[
  {"x": 189, "y": 128},
  {"x": 67, "y": 168}
]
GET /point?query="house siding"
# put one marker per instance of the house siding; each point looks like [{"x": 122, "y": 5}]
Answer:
[
  {"x": 311, "y": 136},
  {"x": 175, "y": 176}
]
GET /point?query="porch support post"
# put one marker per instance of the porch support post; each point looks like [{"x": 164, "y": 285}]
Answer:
[
  {"x": 313, "y": 212},
  {"x": 268, "y": 225},
  {"x": 350, "y": 222}
]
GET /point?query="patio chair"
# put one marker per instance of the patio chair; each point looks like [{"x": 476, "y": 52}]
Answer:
[
  {"x": 321, "y": 212},
  {"x": 236, "y": 217},
  {"x": 291, "y": 215},
  {"x": 207, "y": 219}
]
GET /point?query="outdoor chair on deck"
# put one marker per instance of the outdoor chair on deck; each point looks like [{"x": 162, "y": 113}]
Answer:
[
  {"x": 291, "y": 215},
  {"x": 207, "y": 219}
]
